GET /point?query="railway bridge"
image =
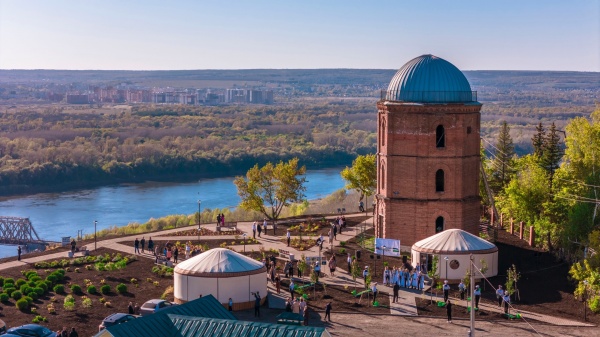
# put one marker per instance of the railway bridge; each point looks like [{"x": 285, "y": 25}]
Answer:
[{"x": 14, "y": 230}]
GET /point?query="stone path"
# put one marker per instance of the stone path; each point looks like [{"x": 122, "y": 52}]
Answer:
[{"x": 407, "y": 299}]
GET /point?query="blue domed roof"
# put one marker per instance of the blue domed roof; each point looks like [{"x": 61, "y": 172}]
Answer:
[{"x": 429, "y": 79}]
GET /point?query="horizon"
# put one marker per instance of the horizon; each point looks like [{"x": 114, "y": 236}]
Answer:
[
  {"x": 243, "y": 69},
  {"x": 186, "y": 35}
]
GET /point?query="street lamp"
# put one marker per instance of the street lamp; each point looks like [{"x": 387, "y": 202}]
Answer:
[
  {"x": 95, "y": 223},
  {"x": 199, "y": 203},
  {"x": 244, "y": 235},
  {"x": 446, "y": 258}
]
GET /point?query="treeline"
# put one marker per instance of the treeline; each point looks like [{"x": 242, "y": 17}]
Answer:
[{"x": 51, "y": 148}]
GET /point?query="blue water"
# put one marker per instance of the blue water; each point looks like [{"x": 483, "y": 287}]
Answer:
[{"x": 55, "y": 215}]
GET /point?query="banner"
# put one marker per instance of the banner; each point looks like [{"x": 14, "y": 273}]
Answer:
[{"x": 392, "y": 247}]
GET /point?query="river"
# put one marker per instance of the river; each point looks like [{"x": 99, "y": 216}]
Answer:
[{"x": 55, "y": 215}]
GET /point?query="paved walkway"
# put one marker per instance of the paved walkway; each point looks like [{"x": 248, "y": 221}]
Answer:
[{"x": 407, "y": 299}]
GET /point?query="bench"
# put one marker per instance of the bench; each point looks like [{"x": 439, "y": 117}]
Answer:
[
  {"x": 83, "y": 250},
  {"x": 284, "y": 253},
  {"x": 227, "y": 226},
  {"x": 161, "y": 260},
  {"x": 289, "y": 318}
]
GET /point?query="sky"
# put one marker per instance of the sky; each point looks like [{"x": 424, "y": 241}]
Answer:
[{"x": 279, "y": 34}]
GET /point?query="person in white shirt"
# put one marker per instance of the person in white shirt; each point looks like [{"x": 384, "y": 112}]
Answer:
[
  {"x": 254, "y": 230},
  {"x": 462, "y": 288},
  {"x": 265, "y": 226},
  {"x": 289, "y": 237},
  {"x": 349, "y": 260},
  {"x": 374, "y": 290},
  {"x": 446, "y": 289}
]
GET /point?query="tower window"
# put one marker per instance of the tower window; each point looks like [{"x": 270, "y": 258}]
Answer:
[
  {"x": 439, "y": 224},
  {"x": 468, "y": 130},
  {"x": 439, "y": 181},
  {"x": 382, "y": 178},
  {"x": 440, "y": 136},
  {"x": 383, "y": 132}
]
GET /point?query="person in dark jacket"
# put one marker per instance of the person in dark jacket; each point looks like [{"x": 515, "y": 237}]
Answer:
[
  {"x": 328, "y": 311},
  {"x": 449, "y": 311},
  {"x": 73, "y": 333},
  {"x": 256, "y": 304}
]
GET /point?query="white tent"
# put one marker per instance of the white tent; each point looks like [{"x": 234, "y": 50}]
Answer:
[
  {"x": 222, "y": 273},
  {"x": 453, "y": 248}
]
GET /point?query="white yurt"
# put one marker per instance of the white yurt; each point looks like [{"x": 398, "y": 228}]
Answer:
[
  {"x": 453, "y": 248},
  {"x": 222, "y": 273}
]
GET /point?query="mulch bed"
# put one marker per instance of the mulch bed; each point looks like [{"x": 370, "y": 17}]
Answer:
[
  {"x": 427, "y": 308},
  {"x": 203, "y": 232},
  {"x": 86, "y": 320}
]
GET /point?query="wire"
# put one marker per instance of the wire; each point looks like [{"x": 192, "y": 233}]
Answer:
[{"x": 510, "y": 304}]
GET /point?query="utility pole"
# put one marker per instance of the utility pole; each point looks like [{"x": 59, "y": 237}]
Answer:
[{"x": 472, "y": 290}]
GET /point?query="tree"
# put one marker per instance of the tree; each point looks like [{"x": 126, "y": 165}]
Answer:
[
  {"x": 362, "y": 176},
  {"x": 355, "y": 271},
  {"x": 512, "y": 276},
  {"x": 434, "y": 272},
  {"x": 552, "y": 152},
  {"x": 538, "y": 140},
  {"x": 588, "y": 284},
  {"x": 270, "y": 188},
  {"x": 302, "y": 265},
  {"x": 502, "y": 164}
]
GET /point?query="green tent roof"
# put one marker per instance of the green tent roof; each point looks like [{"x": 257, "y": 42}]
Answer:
[{"x": 159, "y": 324}]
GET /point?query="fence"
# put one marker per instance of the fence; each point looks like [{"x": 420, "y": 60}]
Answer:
[{"x": 519, "y": 229}]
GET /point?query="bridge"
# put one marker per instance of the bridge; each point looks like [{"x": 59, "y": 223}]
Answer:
[{"x": 15, "y": 230}]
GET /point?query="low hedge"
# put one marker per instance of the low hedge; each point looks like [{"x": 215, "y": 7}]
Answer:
[
  {"x": 59, "y": 289},
  {"x": 22, "y": 304},
  {"x": 16, "y": 295},
  {"x": 105, "y": 289}
]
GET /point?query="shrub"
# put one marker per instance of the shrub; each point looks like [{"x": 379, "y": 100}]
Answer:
[
  {"x": 51, "y": 309},
  {"x": 105, "y": 289},
  {"x": 92, "y": 289},
  {"x": 89, "y": 267},
  {"x": 4, "y": 297},
  {"x": 59, "y": 289},
  {"x": 20, "y": 282},
  {"x": 33, "y": 295},
  {"x": 16, "y": 295},
  {"x": 121, "y": 288},
  {"x": 62, "y": 271},
  {"x": 107, "y": 304},
  {"x": 59, "y": 276},
  {"x": 8, "y": 280},
  {"x": 9, "y": 291},
  {"x": 102, "y": 300},
  {"x": 86, "y": 302},
  {"x": 69, "y": 306},
  {"x": 1, "y": 281},
  {"x": 69, "y": 299},
  {"x": 76, "y": 288},
  {"x": 39, "y": 319},
  {"x": 22, "y": 304},
  {"x": 25, "y": 289},
  {"x": 42, "y": 285},
  {"x": 28, "y": 299},
  {"x": 52, "y": 278},
  {"x": 77, "y": 270}
]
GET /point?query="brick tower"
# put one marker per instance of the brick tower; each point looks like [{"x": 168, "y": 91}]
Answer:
[{"x": 428, "y": 153}]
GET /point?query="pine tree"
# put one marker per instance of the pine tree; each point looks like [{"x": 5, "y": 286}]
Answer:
[
  {"x": 538, "y": 141},
  {"x": 552, "y": 152},
  {"x": 502, "y": 164}
]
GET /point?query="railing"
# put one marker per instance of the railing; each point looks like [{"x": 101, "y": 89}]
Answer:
[{"x": 429, "y": 96}]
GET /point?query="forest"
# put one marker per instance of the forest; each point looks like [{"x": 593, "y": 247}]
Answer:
[{"x": 48, "y": 147}]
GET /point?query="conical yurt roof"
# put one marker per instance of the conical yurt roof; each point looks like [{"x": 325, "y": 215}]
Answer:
[
  {"x": 454, "y": 241},
  {"x": 220, "y": 262}
]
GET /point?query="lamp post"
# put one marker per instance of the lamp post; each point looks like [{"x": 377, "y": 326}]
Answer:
[
  {"x": 446, "y": 258},
  {"x": 199, "y": 203},
  {"x": 244, "y": 235},
  {"x": 383, "y": 261},
  {"x": 95, "y": 240}
]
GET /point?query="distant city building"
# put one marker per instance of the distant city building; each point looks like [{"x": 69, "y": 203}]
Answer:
[
  {"x": 249, "y": 96},
  {"x": 78, "y": 98}
]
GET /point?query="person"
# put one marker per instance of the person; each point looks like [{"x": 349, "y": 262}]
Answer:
[
  {"x": 188, "y": 249},
  {"x": 265, "y": 226},
  {"x": 317, "y": 271},
  {"x": 349, "y": 261},
  {"x": 396, "y": 289},
  {"x": 292, "y": 288},
  {"x": 219, "y": 219},
  {"x": 374, "y": 290},
  {"x": 136, "y": 309},
  {"x": 506, "y": 299},
  {"x": 169, "y": 254},
  {"x": 175, "y": 254},
  {"x": 449, "y": 310},
  {"x": 422, "y": 275},
  {"x": 365, "y": 274},
  {"x": 151, "y": 245},
  {"x": 446, "y": 289},
  {"x": 274, "y": 227},
  {"x": 254, "y": 231},
  {"x": 19, "y": 253},
  {"x": 415, "y": 278},
  {"x": 143, "y": 244},
  {"x": 328, "y": 311},
  {"x": 73, "y": 245},
  {"x": 73, "y": 333},
  {"x": 477, "y": 294},
  {"x": 277, "y": 283},
  {"x": 288, "y": 305},
  {"x": 334, "y": 231},
  {"x": 157, "y": 253},
  {"x": 64, "y": 332},
  {"x": 259, "y": 229},
  {"x": 272, "y": 272},
  {"x": 330, "y": 235},
  {"x": 230, "y": 306},
  {"x": 286, "y": 269},
  {"x": 256, "y": 304},
  {"x": 305, "y": 315},
  {"x": 136, "y": 245},
  {"x": 361, "y": 206},
  {"x": 332, "y": 265},
  {"x": 499, "y": 295},
  {"x": 130, "y": 308},
  {"x": 302, "y": 305},
  {"x": 288, "y": 235},
  {"x": 462, "y": 288}
]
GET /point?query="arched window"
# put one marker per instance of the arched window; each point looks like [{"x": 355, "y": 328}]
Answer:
[
  {"x": 440, "y": 136},
  {"x": 439, "y": 224},
  {"x": 382, "y": 177},
  {"x": 383, "y": 132},
  {"x": 439, "y": 181}
]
